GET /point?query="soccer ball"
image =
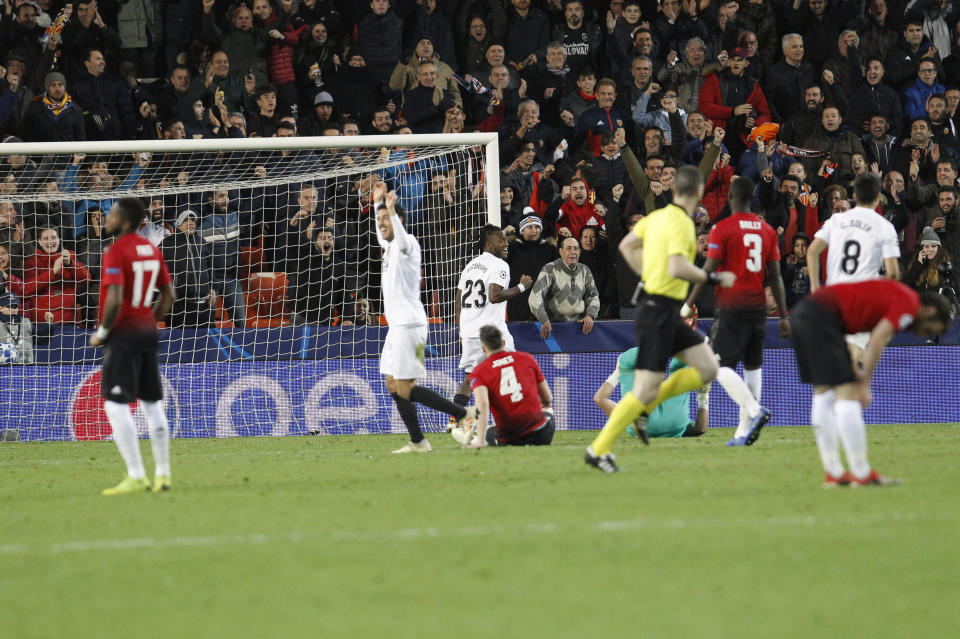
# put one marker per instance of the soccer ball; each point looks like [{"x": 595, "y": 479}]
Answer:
[{"x": 8, "y": 354}]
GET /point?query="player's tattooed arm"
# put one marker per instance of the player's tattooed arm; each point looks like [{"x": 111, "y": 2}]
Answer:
[{"x": 499, "y": 294}]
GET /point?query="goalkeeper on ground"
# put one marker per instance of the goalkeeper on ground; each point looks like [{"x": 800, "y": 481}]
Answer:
[{"x": 672, "y": 417}]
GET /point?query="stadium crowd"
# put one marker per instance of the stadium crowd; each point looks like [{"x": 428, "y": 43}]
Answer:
[{"x": 596, "y": 104}]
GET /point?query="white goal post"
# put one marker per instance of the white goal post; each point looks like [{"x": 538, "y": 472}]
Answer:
[{"x": 279, "y": 324}]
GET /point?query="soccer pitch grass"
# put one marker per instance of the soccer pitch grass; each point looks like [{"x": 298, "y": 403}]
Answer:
[{"x": 335, "y": 537}]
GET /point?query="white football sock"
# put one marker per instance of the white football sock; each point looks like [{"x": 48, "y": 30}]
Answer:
[
  {"x": 739, "y": 392},
  {"x": 125, "y": 436},
  {"x": 159, "y": 435},
  {"x": 824, "y": 424},
  {"x": 853, "y": 434},
  {"x": 754, "y": 380}
]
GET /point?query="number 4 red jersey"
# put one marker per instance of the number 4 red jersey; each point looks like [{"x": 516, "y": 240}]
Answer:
[
  {"x": 512, "y": 381},
  {"x": 138, "y": 266},
  {"x": 744, "y": 244}
]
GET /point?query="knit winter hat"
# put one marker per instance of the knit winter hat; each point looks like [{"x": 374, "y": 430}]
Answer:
[
  {"x": 52, "y": 77},
  {"x": 929, "y": 236}
]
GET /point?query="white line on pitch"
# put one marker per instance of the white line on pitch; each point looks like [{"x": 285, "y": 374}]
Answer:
[{"x": 138, "y": 543}]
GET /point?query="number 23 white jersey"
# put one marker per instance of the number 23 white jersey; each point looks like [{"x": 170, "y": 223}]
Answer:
[
  {"x": 859, "y": 240},
  {"x": 476, "y": 308}
]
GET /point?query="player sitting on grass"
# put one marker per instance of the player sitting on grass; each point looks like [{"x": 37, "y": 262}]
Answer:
[
  {"x": 482, "y": 295},
  {"x": 512, "y": 387},
  {"x": 672, "y": 417},
  {"x": 403, "y": 358},
  {"x": 133, "y": 271},
  {"x": 841, "y": 391}
]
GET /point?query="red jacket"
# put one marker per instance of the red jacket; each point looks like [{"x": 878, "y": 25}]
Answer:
[
  {"x": 43, "y": 290},
  {"x": 715, "y": 193},
  {"x": 576, "y": 217},
  {"x": 280, "y": 54},
  {"x": 712, "y": 106}
]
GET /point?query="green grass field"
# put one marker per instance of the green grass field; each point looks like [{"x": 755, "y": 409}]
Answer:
[{"x": 334, "y": 537}]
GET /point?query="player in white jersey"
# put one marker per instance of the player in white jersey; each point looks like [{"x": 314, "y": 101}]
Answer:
[
  {"x": 861, "y": 241},
  {"x": 403, "y": 358},
  {"x": 482, "y": 296}
]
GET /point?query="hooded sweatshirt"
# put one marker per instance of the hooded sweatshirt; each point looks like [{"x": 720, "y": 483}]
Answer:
[
  {"x": 44, "y": 290},
  {"x": 574, "y": 217}
]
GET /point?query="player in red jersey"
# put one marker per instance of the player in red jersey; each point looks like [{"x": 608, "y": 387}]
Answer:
[
  {"x": 512, "y": 387},
  {"x": 820, "y": 324},
  {"x": 133, "y": 271},
  {"x": 747, "y": 246}
]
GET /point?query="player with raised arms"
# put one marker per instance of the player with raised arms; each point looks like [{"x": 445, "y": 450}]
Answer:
[
  {"x": 746, "y": 245},
  {"x": 863, "y": 242},
  {"x": 661, "y": 249},
  {"x": 482, "y": 295},
  {"x": 403, "y": 359},
  {"x": 133, "y": 271},
  {"x": 512, "y": 387},
  {"x": 820, "y": 323}
]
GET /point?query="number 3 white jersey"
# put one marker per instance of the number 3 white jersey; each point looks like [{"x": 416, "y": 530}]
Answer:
[
  {"x": 476, "y": 308},
  {"x": 859, "y": 240}
]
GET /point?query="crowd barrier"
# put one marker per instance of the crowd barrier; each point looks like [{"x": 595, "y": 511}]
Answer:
[{"x": 284, "y": 381}]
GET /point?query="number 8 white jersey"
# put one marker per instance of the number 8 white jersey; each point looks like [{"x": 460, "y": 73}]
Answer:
[
  {"x": 476, "y": 308},
  {"x": 859, "y": 240}
]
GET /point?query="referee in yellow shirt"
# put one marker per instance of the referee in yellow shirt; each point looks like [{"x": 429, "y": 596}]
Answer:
[{"x": 661, "y": 249}]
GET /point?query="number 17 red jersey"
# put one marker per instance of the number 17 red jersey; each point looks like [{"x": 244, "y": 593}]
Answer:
[
  {"x": 136, "y": 265},
  {"x": 744, "y": 244},
  {"x": 512, "y": 381}
]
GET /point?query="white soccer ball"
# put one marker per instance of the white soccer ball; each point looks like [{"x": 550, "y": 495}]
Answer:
[{"x": 8, "y": 353}]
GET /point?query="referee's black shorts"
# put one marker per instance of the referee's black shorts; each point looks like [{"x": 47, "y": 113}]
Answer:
[
  {"x": 821, "y": 346},
  {"x": 130, "y": 368},
  {"x": 661, "y": 332},
  {"x": 738, "y": 336}
]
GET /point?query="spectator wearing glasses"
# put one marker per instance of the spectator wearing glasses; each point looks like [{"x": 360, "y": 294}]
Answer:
[
  {"x": 904, "y": 58},
  {"x": 424, "y": 106},
  {"x": 915, "y": 96}
]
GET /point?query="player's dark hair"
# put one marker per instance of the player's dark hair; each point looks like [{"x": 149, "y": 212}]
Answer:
[
  {"x": 491, "y": 337},
  {"x": 740, "y": 194},
  {"x": 866, "y": 188},
  {"x": 687, "y": 182},
  {"x": 132, "y": 210},
  {"x": 486, "y": 233},
  {"x": 942, "y": 306}
]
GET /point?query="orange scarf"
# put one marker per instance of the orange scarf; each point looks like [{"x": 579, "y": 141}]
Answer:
[{"x": 57, "y": 107}]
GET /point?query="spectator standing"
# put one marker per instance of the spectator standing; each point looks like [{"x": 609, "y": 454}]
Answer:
[
  {"x": 104, "y": 99},
  {"x": 595, "y": 256},
  {"x": 283, "y": 37},
  {"x": 528, "y": 32},
  {"x": 871, "y": 96},
  {"x": 924, "y": 85},
  {"x": 176, "y": 95},
  {"x": 407, "y": 76},
  {"x": 244, "y": 43},
  {"x": 318, "y": 292},
  {"x": 686, "y": 75},
  {"x": 52, "y": 276},
  {"x": 932, "y": 269},
  {"x": 733, "y": 100},
  {"x": 474, "y": 33},
  {"x": 565, "y": 291},
  {"x": 189, "y": 260},
  {"x": 599, "y": 119},
  {"x": 789, "y": 78},
  {"x": 53, "y": 117},
  {"x": 581, "y": 41},
  {"x": 20, "y": 32},
  {"x": 527, "y": 254},
  {"x": 87, "y": 30},
  {"x": 577, "y": 211},
  {"x": 222, "y": 229},
  {"x": 839, "y": 144},
  {"x": 904, "y": 58},
  {"x": 15, "y": 95},
  {"x": 425, "y": 105},
  {"x": 379, "y": 38}
]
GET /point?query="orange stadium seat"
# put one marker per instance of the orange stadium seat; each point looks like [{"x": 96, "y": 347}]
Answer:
[{"x": 266, "y": 298}]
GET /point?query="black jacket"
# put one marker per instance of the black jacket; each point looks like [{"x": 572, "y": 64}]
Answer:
[
  {"x": 421, "y": 113},
  {"x": 39, "y": 124},
  {"x": 526, "y": 258},
  {"x": 317, "y": 289},
  {"x": 786, "y": 85},
  {"x": 626, "y": 279},
  {"x": 105, "y": 94},
  {"x": 188, "y": 257}
]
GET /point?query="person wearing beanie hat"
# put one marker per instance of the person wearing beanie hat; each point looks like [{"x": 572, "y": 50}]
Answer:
[
  {"x": 932, "y": 268},
  {"x": 527, "y": 254},
  {"x": 54, "y": 117},
  {"x": 406, "y": 75},
  {"x": 188, "y": 258}
]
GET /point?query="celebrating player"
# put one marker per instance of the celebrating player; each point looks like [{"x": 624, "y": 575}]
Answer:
[
  {"x": 403, "y": 358},
  {"x": 512, "y": 387},
  {"x": 661, "y": 249},
  {"x": 862, "y": 242},
  {"x": 672, "y": 417},
  {"x": 133, "y": 270},
  {"x": 747, "y": 246},
  {"x": 482, "y": 296},
  {"x": 820, "y": 322}
]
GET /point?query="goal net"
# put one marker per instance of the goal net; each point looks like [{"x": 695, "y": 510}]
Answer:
[{"x": 272, "y": 247}]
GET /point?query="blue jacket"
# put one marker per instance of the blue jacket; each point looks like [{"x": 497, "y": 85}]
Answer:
[{"x": 915, "y": 98}]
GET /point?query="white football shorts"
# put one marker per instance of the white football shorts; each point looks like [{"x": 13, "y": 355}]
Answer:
[
  {"x": 404, "y": 352},
  {"x": 473, "y": 351}
]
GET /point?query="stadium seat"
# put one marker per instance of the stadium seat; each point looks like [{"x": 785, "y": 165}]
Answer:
[
  {"x": 221, "y": 318},
  {"x": 266, "y": 298},
  {"x": 251, "y": 259}
]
